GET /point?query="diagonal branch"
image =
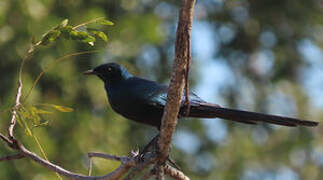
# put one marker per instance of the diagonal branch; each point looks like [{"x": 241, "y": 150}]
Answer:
[{"x": 126, "y": 164}]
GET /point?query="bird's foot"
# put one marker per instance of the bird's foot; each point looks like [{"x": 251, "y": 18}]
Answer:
[
  {"x": 152, "y": 143},
  {"x": 173, "y": 163}
]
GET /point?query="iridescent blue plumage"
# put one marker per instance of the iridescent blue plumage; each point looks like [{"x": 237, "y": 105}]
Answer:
[{"x": 143, "y": 101}]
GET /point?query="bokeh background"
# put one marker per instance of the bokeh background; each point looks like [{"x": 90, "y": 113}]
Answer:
[{"x": 263, "y": 56}]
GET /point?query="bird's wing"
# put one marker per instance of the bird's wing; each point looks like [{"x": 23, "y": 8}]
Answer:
[
  {"x": 148, "y": 92},
  {"x": 156, "y": 94}
]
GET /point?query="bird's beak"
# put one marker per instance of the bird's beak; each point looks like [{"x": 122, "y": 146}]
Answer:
[{"x": 89, "y": 72}]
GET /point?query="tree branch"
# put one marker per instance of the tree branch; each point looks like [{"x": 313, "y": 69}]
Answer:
[
  {"x": 14, "y": 111},
  {"x": 175, "y": 173},
  {"x": 175, "y": 92},
  {"x": 12, "y": 157},
  {"x": 19, "y": 93},
  {"x": 108, "y": 156}
]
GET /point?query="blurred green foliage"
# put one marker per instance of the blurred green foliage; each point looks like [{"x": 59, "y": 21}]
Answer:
[{"x": 142, "y": 39}]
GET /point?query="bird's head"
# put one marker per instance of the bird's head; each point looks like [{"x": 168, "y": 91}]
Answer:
[{"x": 109, "y": 72}]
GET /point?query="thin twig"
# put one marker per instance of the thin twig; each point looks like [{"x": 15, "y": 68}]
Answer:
[
  {"x": 89, "y": 22},
  {"x": 117, "y": 173},
  {"x": 19, "y": 92},
  {"x": 14, "y": 111},
  {"x": 148, "y": 158},
  {"x": 109, "y": 157},
  {"x": 47, "y": 67},
  {"x": 5, "y": 139},
  {"x": 12, "y": 157},
  {"x": 90, "y": 167}
]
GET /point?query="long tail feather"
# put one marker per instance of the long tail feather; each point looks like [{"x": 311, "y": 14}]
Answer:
[{"x": 207, "y": 110}]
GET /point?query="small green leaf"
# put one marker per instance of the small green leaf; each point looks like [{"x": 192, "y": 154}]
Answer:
[
  {"x": 41, "y": 124},
  {"x": 64, "y": 23},
  {"x": 66, "y": 31},
  {"x": 28, "y": 132},
  {"x": 92, "y": 30},
  {"x": 102, "y": 35},
  {"x": 88, "y": 39},
  {"x": 98, "y": 33},
  {"x": 41, "y": 111},
  {"x": 50, "y": 37},
  {"x": 105, "y": 22},
  {"x": 62, "y": 108},
  {"x": 34, "y": 116},
  {"x": 82, "y": 34},
  {"x": 23, "y": 114},
  {"x": 19, "y": 121},
  {"x": 61, "y": 25},
  {"x": 74, "y": 34}
]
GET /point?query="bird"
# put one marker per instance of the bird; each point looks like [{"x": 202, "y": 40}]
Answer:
[{"x": 143, "y": 101}]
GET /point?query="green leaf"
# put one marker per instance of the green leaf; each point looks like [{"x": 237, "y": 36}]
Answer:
[
  {"x": 66, "y": 31},
  {"x": 88, "y": 39},
  {"x": 19, "y": 121},
  {"x": 58, "y": 107},
  {"x": 23, "y": 115},
  {"x": 41, "y": 111},
  {"x": 34, "y": 116},
  {"x": 82, "y": 34},
  {"x": 41, "y": 124},
  {"x": 61, "y": 25},
  {"x": 64, "y": 23},
  {"x": 92, "y": 30},
  {"x": 98, "y": 33},
  {"x": 50, "y": 37},
  {"x": 73, "y": 34},
  {"x": 105, "y": 22},
  {"x": 28, "y": 132},
  {"x": 102, "y": 35},
  {"x": 62, "y": 108}
]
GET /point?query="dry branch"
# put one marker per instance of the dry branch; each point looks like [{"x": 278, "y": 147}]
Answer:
[
  {"x": 175, "y": 92},
  {"x": 175, "y": 173},
  {"x": 14, "y": 111}
]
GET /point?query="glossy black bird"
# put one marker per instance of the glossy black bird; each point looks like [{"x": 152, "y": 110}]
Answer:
[{"x": 143, "y": 101}]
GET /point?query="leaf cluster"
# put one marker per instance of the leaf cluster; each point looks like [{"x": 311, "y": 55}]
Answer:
[
  {"x": 82, "y": 32},
  {"x": 32, "y": 116}
]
